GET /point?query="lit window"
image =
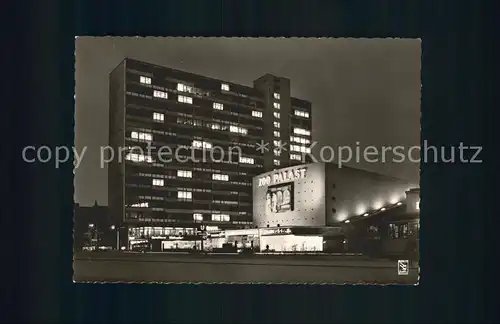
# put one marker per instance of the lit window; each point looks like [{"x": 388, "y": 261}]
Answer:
[
  {"x": 277, "y": 124},
  {"x": 295, "y": 157},
  {"x": 276, "y": 95},
  {"x": 301, "y": 131},
  {"x": 257, "y": 113},
  {"x": 417, "y": 205},
  {"x": 299, "y": 140},
  {"x": 197, "y": 217},
  {"x": 276, "y": 105},
  {"x": 276, "y": 162},
  {"x": 184, "y": 195},
  {"x": 218, "y": 106},
  {"x": 158, "y": 182},
  {"x": 299, "y": 148},
  {"x": 143, "y": 204},
  {"x": 184, "y": 88},
  {"x": 141, "y": 136},
  {"x": 160, "y": 94},
  {"x": 158, "y": 117},
  {"x": 246, "y": 160},
  {"x": 276, "y": 134},
  {"x": 185, "y": 99},
  {"x": 276, "y": 115},
  {"x": 134, "y": 157},
  {"x": 221, "y": 217},
  {"x": 301, "y": 113},
  {"x": 215, "y": 126},
  {"x": 145, "y": 80},
  {"x": 277, "y": 143},
  {"x": 239, "y": 130},
  {"x": 184, "y": 174},
  {"x": 201, "y": 144},
  {"x": 277, "y": 152},
  {"x": 220, "y": 177},
  {"x": 224, "y": 87}
]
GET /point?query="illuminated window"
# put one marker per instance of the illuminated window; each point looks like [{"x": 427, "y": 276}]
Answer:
[
  {"x": 277, "y": 152},
  {"x": 276, "y": 95},
  {"x": 276, "y": 124},
  {"x": 417, "y": 205},
  {"x": 239, "y": 130},
  {"x": 276, "y": 134},
  {"x": 188, "y": 195},
  {"x": 221, "y": 217},
  {"x": 257, "y": 113},
  {"x": 145, "y": 80},
  {"x": 277, "y": 143},
  {"x": 142, "y": 205},
  {"x": 246, "y": 160},
  {"x": 184, "y": 88},
  {"x": 141, "y": 136},
  {"x": 138, "y": 158},
  {"x": 197, "y": 217},
  {"x": 218, "y": 106},
  {"x": 299, "y": 140},
  {"x": 215, "y": 126},
  {"x": 295, "y": 157},
  {"x": 220, "y": 177},
  {"x": 201, "y": 145},
  {"x": 158, "y": 182},
  {"x": 301, "y": 131},
  {"x": 185, "y": 99},
  {"x": 299, "y": 148},
  {"x": 276, "y": 115},
  {"x": 301, "y": 113},
  {"x": 158, "y": 117},
  {"x": 224, "y": 87},
  {"x": 276, "y": 162},
  {"x": 184, "y": 173},
  {"x": 160, "y": 94},
  {"x": 276, "y": 105}
]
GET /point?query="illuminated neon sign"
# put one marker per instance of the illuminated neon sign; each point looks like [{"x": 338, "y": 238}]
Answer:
[{"x": 282, "y": 176}]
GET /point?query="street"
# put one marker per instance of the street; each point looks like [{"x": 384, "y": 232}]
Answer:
[{"x": 185, "y": 268}]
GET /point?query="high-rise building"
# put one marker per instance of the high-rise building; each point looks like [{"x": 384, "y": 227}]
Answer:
[{"x": 186, "y": 147}]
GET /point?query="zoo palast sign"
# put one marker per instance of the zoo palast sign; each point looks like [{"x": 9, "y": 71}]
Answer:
[{"x": 282, "y": 176}]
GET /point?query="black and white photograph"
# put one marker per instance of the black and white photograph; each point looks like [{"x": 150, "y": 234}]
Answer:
[{"x": 247, "y": 160}]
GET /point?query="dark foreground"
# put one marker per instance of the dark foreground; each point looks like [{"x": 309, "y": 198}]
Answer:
[{"x": 175, "y": 268}]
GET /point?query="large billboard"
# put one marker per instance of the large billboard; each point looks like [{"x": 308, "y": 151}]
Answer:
[
  {"x": 293, "y": 196},
  {"x": 279, "y": 198}
]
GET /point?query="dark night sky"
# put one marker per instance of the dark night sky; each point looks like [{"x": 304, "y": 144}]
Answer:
[{"x": 362, "y": 90}]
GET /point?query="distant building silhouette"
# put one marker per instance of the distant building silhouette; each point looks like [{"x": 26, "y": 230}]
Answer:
[{"x": 95, "y": 216}]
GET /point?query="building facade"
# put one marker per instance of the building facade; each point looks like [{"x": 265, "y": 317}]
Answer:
[
  {"x": 185, "y": 147},
  {"x": 393, "y": 233},
  {"x": 321, "y": 194},
  {"x": 309, "y": 207}
]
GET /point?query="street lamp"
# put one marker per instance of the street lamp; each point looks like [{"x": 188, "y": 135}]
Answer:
[
  {"x": 113, "y": 227},
  {"x": 91, "y": 235}
]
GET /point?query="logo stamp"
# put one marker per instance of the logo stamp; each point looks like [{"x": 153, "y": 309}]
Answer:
[{"x": 403, "y": 267}]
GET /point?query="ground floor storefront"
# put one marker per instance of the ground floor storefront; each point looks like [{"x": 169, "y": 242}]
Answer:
[{"x": 293, "y": 239}]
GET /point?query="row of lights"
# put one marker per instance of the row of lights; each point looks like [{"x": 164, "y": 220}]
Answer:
[
  {"x": 381, "y": 210},
  {"x": 112, "y": 226}
]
